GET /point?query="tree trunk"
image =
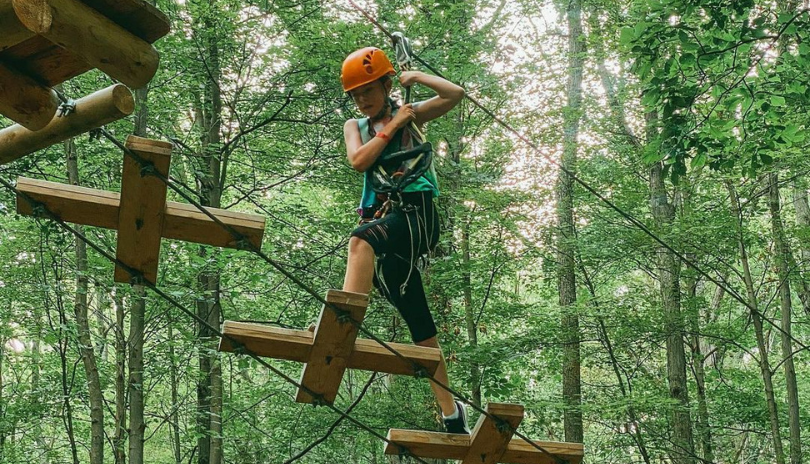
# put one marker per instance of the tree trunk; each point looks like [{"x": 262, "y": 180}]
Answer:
[
  {"x": 469, "y": 311},
  {"x": 88, "y": 354},
  {"x": 137, "y": 425},
  {"x": 120, "y": 436},
  {"x": 174, "y": 421},
  {"x": 802, "y": 208},
  {"x": 566, "y": 278},
  {"x": 137, "y": 421},
  {"x": 702, "y": 424},
  {"x": 209, "y": 388},
  {"x": 669, "y": 269},
  {"x": 782, "y": 252},
  {"x": 764, "y": 364}
]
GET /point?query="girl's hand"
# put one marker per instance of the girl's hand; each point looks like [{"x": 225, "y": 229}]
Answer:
[
  {"x": 404, "y": 116},
  {"x": 409, "y": 78}
]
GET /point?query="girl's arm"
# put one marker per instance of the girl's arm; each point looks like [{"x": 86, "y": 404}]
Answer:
[
  {"x": 448, "y": 95},
  {"x": 362, "y": 157}
]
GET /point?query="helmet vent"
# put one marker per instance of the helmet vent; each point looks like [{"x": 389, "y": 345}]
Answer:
[{"x": 367, "y": 62}]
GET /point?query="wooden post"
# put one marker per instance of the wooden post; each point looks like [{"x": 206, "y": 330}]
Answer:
[
  {"x": 25, "y": 101},
  {"x": 13, "y": 30},
  {"x": 332, "y": 346},
  {"x": 296, "y": 345},
  {"x": 143, "y": 204},
  {"x": 95, "y": 110},
  {"x": 92, "y": 36},
  {"x": 489, "y": 442}
]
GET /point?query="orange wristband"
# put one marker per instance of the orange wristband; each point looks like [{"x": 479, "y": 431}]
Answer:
[{"x": 383, "y": 136}]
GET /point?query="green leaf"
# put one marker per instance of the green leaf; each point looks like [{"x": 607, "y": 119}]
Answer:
[{"x": 778, "y": 100}]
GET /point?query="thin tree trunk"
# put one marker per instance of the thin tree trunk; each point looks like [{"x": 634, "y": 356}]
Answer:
[
  {"x": 698, "y": 359},
  {"x": 469, "y": 311},
  {"x": 802, "y": 208},
  {"x": 174, "y": 421},
  {"x": 120, "y": 436},
  {"x": 566, "y": 278},
  {"x": 2, "y": 402},
  {"x": 137, "y": 424},
  {"x": 669, "y": 269},
  {"x": 764, "y": 364},
  {"x": 782, "y": 262},
  {"x": 88, "y": 354},
  {"x": 209, "y": 389}
]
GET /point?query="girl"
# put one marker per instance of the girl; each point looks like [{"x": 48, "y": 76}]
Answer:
[{"x": 397, "y": 234}]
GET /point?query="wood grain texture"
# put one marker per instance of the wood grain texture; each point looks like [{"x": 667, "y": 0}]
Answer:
[
  {"x": 25, "y": 101},
  {"x": 488, "y": 443},
  {"x": 142, "y": 209},
  {"x": 81, "y": 205},
  {"x": 95, "y": 110},
  {"x": 332, "y": 346},
  {"x": 295, "y": 345}
]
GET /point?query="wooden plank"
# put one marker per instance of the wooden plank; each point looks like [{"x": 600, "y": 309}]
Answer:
[
  {"x": 94, "y": 38},
  {"x": 489, "y": 443},
  {"x": 332, "y": 346},
  {"x": 295, "y": 345},
  {"x": 437, "y": 445},
  {"x": 25, "y": 101},
  {"x": 81, "y": 205},
  {"x": 13, "y": 30},
  {"x": 95, "y": 110},
  {"x": 142, "y": 207}
]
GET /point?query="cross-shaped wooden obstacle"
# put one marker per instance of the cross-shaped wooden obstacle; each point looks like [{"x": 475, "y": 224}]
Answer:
[
  {"x": 45, "y": 42},
  {"x": 491, "y": 442},
  {"x": 140, "y": 212},
  {"x": 331, "y": 350}
]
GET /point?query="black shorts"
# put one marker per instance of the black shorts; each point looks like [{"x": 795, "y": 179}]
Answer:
[{"x": 398, "y": 240}]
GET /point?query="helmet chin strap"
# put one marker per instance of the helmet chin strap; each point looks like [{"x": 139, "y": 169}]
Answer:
[{"x": 385, "y": 108}]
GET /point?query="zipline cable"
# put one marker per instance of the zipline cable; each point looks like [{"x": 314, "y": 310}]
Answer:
[{"x": 596, "y": 193}]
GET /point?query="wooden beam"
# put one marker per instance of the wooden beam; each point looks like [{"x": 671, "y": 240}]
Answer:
[
  {"x": 437, "y": 445},
  {"x": 137, "y": 16},
  {"x": 24, "y": 101},
  {"x": 97, "y": 208},
  {"x": 332, "y": 346},
  {"x": 13, "y": 30},
  {"x": 95, "y": 110},
  {"x": 143, "y": 204},
  {"x": 90, "y": 35},
  {"x": 296, "y": 345},
  {"x": 489, "y": 442}
]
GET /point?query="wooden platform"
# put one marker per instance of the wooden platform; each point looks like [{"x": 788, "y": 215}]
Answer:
[
  {"x": 140, "y": 213},
  {"x": 46, "y": 42},
  {"x": 488, "y": 443},
  {"x": 331, "y": 350}
]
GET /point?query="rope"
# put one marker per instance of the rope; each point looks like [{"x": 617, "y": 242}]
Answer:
[{"x": 595, "y": 192}]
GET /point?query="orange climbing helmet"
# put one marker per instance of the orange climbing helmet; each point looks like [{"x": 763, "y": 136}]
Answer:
[{"x": 364, "y": 66}]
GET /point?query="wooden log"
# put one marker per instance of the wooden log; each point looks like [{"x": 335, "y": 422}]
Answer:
[
  {"x": 332, "y": 346},
  {"x": 97, "y": 208},
  {"x": 90, "y": 35},
  {"x": 24, "y": 101},
  {"x": 489, "y": 442},
  {"x": 13, "y": 30},
  {"x": 137, "y": 16},
  {"x": 143, "y": 204},
  {"x": 95, "y": 110},
  {"x": 296, "y": 345},
  {"x": 437, "y": 445}
]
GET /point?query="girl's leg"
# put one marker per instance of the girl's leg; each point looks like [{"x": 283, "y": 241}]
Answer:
[
  {"x": 360, "y": 267},
  {"x": 444, "y": 397}
]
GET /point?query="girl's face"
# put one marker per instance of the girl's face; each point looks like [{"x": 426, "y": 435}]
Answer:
[{"x": 370, "y": 98}]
